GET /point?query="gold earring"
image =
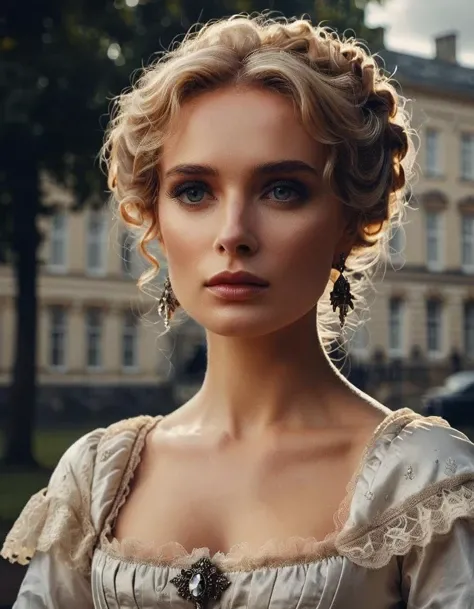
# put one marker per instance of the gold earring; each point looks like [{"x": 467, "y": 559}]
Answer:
[
  {"x": 341, "y": 294},
  {"x": 168, "y": 303}
]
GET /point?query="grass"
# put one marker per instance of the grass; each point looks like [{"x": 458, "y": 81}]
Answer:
[{"x": 17, "y": 487}]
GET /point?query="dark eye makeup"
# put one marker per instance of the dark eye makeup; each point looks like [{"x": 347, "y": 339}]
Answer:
[{"x": 195, "y": 192}]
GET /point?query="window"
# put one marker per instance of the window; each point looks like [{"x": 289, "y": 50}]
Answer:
[
  {"x": 126, "y": 253},
  {"x": 434, "y": 327},
  {"x": 434, "y": 240},
  {"x": 359, "y": 342},
  {"x": 469, "y": 329},
  {"x": 467, "y": 243},
  {"x": 94, "y": 337},
  {"x": 396, "y": 244},
  {"x": 433, "y": 153},
  {"x": 467, "y": 156},
  {"x": 395, "y": 325},
  {"x": 96, "y": 246},
  {"x": 130, "y": 342},
  {"x": 58, "y": 242},
  {"x": 57, "y": 337}
]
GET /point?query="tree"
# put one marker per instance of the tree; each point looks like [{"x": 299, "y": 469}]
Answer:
[
  {"x": 61, "y": 63},
  {"x": 158, "y": 29},
  {"x": 55, "y": 82},
  {"x": 348, "y": 16}
]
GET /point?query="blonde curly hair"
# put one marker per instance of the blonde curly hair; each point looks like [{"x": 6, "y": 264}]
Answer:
[{"x": 345, "y": 101}]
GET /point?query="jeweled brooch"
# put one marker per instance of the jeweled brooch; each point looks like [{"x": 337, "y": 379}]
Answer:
[{"x": 201, "y": 583}]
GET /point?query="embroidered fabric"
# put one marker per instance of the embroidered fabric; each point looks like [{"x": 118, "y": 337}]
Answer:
[
  {"x": 51, "y": 523},
  {"x": 129, "y": 470},
  {"x": 431, "y": 512},
  {"x": 61, "y": 518},
  {"x": 58, "y": 518}
]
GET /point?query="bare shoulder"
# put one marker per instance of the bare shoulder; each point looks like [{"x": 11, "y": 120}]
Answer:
[{"x": 175, "y": 431}]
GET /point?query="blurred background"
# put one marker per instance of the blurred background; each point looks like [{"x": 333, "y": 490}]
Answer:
[{"x": 80, "y": 347}]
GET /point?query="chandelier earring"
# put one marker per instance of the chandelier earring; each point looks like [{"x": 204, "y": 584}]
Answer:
[
  {"x": 341, "y": 294},
  {"x": 168, "y": 303}
]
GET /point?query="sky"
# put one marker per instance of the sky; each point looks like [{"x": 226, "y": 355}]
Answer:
[{"x": 411, "y": 25}]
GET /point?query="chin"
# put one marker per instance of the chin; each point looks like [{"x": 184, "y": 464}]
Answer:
[{"x": 242, "y": 324}]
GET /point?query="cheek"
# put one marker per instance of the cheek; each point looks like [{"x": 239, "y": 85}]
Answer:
[
  {"x": 182, "y": 241},
  {"x": 306, "y": 249}
]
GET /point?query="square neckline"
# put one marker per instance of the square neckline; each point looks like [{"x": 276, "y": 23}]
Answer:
[{"x": 240, "y": 557}]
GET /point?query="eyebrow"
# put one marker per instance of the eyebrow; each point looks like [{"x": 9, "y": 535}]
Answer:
[{"x": 272, "y": 168}]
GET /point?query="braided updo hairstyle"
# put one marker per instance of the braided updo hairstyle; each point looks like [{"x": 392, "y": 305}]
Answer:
[{"x": 344, "y": 100}]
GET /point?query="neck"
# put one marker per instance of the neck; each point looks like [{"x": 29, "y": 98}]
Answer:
[{"x": 281, "y": 379}]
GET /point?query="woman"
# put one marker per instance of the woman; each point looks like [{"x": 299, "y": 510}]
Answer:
[{"x": 262, "y": 156}]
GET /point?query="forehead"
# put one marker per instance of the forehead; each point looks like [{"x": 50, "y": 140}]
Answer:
[{"x": 243, "y": 126}]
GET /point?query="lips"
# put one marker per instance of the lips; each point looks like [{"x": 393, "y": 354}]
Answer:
[{"x": 237, "y": 278}]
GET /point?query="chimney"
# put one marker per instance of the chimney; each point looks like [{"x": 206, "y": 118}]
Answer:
[
  {"x": 377, "y": 38},
  {"x": 446, "y": 47}
]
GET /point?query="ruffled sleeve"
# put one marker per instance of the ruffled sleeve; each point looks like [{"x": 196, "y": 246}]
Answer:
[
  {"x": 56, "y": 535},
  {"x": 415, "y": 500},
  {"x": 59, "y": 528},
  {"x": 57, "y": 519},
  {"x": 441, "y": 573}
]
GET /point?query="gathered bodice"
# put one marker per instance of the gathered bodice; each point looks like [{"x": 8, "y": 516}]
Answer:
[
  {"x": 408, "y": 516},
  {"x": 332, "y": 582}
]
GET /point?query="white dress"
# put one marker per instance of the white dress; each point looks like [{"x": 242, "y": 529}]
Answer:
[{"x": 404, "y": 535}]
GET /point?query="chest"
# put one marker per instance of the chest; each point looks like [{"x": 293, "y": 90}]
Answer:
[{"x": 204, "y": 499}]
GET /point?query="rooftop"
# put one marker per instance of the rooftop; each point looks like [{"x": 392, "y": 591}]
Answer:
[{"x": 429, "y": 73}]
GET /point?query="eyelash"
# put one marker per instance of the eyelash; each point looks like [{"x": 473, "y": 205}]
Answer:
[{"x": 300, "y": 189}]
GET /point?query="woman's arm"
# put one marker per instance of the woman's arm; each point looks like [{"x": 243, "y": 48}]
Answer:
[
  {"x": 55, "y": 534},
  {"x": 50, "y": 584},
  {"x": 441, "y": 575}
]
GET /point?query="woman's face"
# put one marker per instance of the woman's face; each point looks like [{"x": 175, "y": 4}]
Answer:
[{"x": 241, "y": 190}]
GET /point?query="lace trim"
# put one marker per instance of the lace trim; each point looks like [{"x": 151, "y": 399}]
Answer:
[
  {"x": 58, "y": 518},
  {"x": 50, "y": 522},
  {"x": 61, "y": 520},
  {"x": 431, "y": 512},
  {"x": 242, "y": 557}
]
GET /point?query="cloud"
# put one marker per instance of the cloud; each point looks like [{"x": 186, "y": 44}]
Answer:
[{"x": 412, "y": 24}]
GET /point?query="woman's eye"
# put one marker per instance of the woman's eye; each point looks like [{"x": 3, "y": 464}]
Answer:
[
  {"x": 194, "y": 193},
  {"x": 283, "y": 193},
  {"x": 288, "y": 192}
]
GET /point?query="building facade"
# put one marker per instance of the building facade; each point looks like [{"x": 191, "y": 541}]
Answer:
[
  {"x": 422, "y": 318},
  {"x": 101, "y": 344}
]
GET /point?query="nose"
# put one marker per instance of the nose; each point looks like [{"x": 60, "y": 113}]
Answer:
[{"x": 236, "y": 235}]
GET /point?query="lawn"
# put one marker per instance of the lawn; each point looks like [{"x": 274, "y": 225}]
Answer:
[{"x": 17, "y": 487}]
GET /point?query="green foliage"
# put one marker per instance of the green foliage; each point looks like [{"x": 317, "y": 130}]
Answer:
[
  {"x": 346, "y": 16},
  {"x": 55, "y": 82},
  {"x": 161, "y": 23}
]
